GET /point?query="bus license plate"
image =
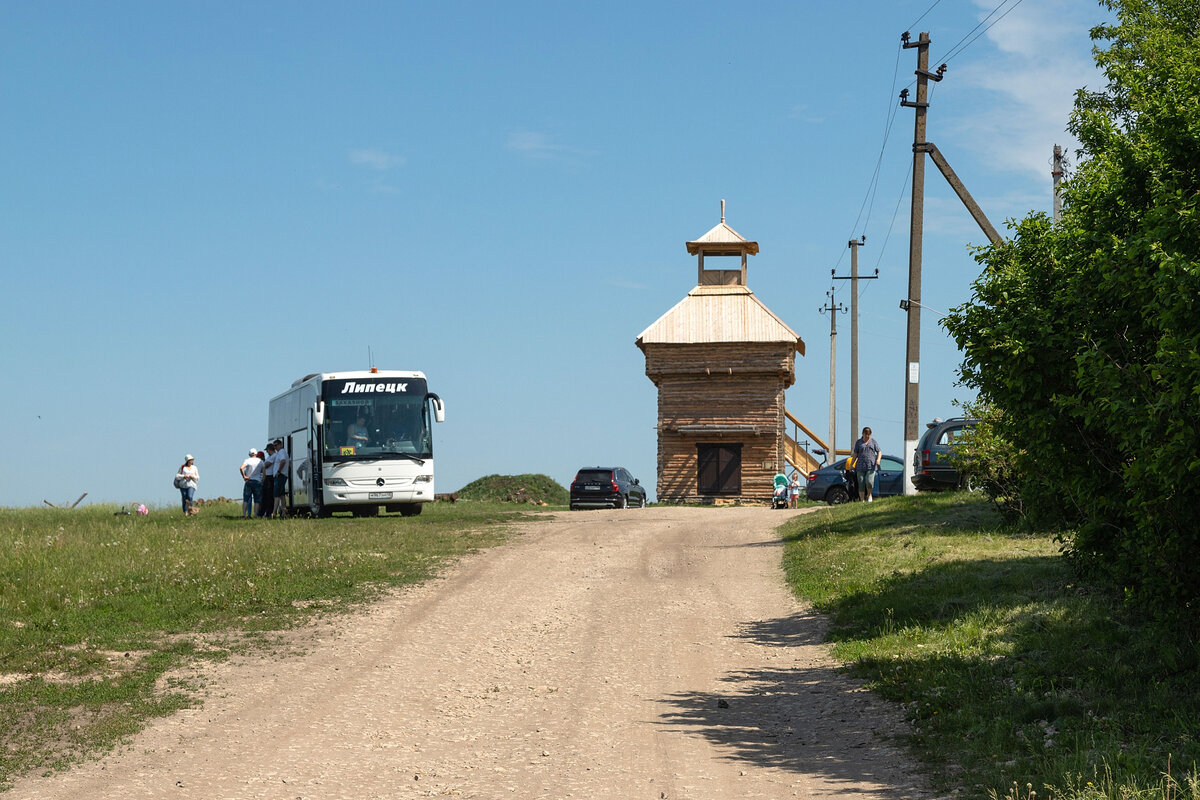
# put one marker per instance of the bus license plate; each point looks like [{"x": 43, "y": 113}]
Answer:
[{"x": 379, "y": 496}]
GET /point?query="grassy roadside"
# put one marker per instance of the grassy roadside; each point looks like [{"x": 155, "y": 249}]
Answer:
[
  {"x": 96, "y": 608},
  {"x": 1016, "y": 679}
]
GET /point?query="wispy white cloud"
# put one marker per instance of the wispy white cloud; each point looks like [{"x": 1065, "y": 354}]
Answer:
[
  {"x": 802, "y": 112},
  {"x": 376, "y": 159},
  {"x": 945, "y": 214},
  {"x": 541, "y": 146},
  {"x": 379, "y": 187},
  {"x": 1040, "y": 57}
]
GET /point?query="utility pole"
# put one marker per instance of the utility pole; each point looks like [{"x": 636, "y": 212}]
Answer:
[
  {"x": 912, "y": 304},
  {"x": 1057, "y": 174},
  {"x": 854, "y": 279},
  {"x": 912, "y": 350},
  {"x": 833, "y": 309}
]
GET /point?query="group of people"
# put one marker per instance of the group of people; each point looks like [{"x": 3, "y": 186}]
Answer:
[
  {"x": 264, "y": 479},
  {"x": 867, "y": 457},
  {"x": 264, "y": 482}
]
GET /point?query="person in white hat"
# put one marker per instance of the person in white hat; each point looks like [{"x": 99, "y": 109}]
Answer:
[
  {"x": 186, "y": 479},
  {"x": 252, "y": 474}
]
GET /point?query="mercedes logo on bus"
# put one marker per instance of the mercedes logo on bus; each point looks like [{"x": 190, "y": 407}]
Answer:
[{"x": 379, "y": 481}]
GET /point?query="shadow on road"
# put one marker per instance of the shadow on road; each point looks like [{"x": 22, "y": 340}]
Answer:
[{"x": 809, "y": 721}]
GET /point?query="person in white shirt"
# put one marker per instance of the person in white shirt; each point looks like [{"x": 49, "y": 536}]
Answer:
[
  {"x": 281, "y": 476},
  {"x": 186, "y": 479},
  {"x": 268, "y": 486},
  {"x": 252, "y": 474}
]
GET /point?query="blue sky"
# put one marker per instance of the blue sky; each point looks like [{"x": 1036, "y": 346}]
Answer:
[{"x": 206, "y": 201}]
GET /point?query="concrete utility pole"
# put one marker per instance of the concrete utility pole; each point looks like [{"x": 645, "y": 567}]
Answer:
[
  {"x": 854, "y": 279},
  {"x": 833, "y": 309},
  {"x": 912, "y": 304},
  {"x": 1057, "y": 174},
  {"x": 912, "y": 349}
]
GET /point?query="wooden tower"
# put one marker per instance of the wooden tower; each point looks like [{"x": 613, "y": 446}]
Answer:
[{"x": 721, "y": 361}]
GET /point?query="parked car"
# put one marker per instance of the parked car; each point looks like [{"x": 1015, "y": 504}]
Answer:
[
  {"x": 933, "y": 468},
  {"x": 606, "y": 487},
  {"x": 835, "y": 484}
]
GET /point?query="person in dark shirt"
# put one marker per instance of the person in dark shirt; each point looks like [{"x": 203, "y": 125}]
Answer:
[{"x": 866, "y": 461}]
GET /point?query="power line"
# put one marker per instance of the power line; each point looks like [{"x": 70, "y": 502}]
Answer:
[
  {"x": 887, "y": 133},
  {"x": 959, "y": 47},
  {"x": 895, "y": 211},
  {"x": 868, "y": 203},
  {"x": 872, "y": 185},
  {"x": 931, "y": 8}
]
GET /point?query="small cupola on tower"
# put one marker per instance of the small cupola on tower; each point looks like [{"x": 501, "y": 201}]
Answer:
[{"x": 721, "y": 242}]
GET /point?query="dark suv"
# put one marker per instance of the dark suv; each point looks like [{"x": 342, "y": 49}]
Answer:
[
  {"x": 932, "y": 466},
  {"x": 606, "y": 487}
]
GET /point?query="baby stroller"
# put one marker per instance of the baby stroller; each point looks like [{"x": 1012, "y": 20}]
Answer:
[{"x": 779, "y": 499}]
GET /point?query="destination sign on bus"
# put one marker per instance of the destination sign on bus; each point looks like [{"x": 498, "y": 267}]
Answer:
[
  {"x": 404, "y": 386},
  {"x": 353, "y": 387}
]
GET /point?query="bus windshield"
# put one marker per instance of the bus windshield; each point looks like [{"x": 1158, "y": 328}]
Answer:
[{"x": 376, "y": 424}]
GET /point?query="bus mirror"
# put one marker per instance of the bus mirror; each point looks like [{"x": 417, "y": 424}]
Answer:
[
  {"x": 318, "y": 415},
  {"x": 439, "y": 408}
]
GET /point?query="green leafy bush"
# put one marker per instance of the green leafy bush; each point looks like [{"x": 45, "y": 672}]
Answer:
[
  {"x": 1087, "y": 333},
  {"x": 537, "y": 489}
]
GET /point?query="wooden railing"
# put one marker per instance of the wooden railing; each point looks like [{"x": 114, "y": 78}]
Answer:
[{"x": 797, "y": 456}]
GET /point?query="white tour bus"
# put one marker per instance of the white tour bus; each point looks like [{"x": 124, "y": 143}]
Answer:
[{"x": 357, "y": 441}]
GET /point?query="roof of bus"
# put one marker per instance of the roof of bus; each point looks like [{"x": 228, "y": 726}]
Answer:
[{"x": 361, "y": 373}]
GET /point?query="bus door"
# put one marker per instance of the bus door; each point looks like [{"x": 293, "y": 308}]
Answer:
[
  {"x": 313, "y": 454},
  {"x": 297, "y": 490}
]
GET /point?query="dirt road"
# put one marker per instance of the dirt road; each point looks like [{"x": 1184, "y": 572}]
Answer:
[{"x": 611, "y": 654}]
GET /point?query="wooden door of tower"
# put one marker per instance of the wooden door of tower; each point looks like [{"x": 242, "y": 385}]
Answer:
[{"x": 719, "y": 469}]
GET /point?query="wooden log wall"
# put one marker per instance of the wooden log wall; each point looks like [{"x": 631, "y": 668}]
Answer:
[
  {"x": 730, "y": 358},
  {"x": 723, "y": 385}
]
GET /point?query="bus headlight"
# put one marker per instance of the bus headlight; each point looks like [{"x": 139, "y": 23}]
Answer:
[
  {"x": 335, "y": 482},
  {"x": 423, "y": 479}
]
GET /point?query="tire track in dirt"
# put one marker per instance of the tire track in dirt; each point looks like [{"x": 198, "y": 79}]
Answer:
[{"x": 613, "y": 654}]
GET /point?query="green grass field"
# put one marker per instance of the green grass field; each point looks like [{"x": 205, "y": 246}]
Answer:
[
  {"x": 96, "y": 607},
  {"x": 1016, "y": 677}
]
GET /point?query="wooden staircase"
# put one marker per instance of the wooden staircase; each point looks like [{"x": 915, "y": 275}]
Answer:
[{"x": 795, "y": 455}]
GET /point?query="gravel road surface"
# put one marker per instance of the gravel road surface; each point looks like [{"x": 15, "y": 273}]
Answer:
[{"x": 650, "y": 653}]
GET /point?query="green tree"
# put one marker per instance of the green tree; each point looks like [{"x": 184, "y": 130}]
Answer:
[{"x": 1087, "y": 333}]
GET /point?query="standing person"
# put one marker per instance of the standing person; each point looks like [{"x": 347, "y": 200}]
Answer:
[
  {"x": 794, "y": 490},
  {"x": 268, "y": 486},
  {"x": 281, "y": 477},
  {"x": 186, "y": 479},
  {"x": 252, "y": 472},
  {"x": 866, "y": 461}
]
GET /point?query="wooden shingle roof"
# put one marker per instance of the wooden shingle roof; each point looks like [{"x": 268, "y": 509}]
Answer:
[
  {"x": 722, "y": 239},
  {"x": 719, "y": 314}
]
